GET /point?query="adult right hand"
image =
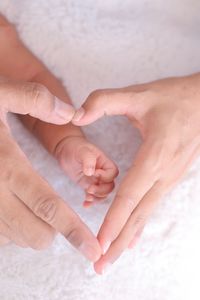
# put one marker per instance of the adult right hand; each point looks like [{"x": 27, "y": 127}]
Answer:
[
  {"x": 30, "y": 211},
  {"x": 167, "y": 114}
]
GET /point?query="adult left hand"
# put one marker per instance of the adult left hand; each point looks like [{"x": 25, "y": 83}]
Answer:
[{"x": 167, "y": 113}]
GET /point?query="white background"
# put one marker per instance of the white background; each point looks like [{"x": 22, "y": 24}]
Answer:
[{"x": 94, "y": 44}]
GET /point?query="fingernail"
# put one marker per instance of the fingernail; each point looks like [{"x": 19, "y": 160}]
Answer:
[
  {"x": 87, "y": 204},
  {"x": 79, "y": 114},
  {"x": 105, "y": 268},
  {"x": 106, "y": 246},
  {"x": 89, "y": 171},
  {"x": 89, "y": 198},
  {"x": 89, "y": 252},
  {"x": 63, "y": 110}
]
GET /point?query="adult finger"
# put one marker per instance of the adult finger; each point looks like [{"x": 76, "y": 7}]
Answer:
[
  {"x": 49, "y": 207},
  {"x": 22, "y": 225},
  {"x": 7, "y": 236},
  {"x": 112, "y": 102},
  {"x": 33, "y": 99},
  {"x": 140, "y": 178},
  {"x": 134, "y": 226}
]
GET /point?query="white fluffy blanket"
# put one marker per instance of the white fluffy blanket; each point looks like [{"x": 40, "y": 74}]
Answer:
[{"x": 94, "y": 44}]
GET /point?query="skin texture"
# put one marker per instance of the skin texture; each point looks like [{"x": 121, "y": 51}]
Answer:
[
  {"x": 167, "y": 114},
  {"x": 30, "y": 211}
]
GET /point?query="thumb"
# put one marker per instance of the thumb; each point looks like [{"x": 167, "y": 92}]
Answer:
[
  {"x": 88, "y": 160},
  {"x": 107, "y": 102},
  {"x": 33, "y": 99}
]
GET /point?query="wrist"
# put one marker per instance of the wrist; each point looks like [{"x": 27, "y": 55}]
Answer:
[
  {"x": 67, "y": 143},
  {"x": 53, "y": 135}
]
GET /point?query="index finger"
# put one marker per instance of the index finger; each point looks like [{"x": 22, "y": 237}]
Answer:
[
  {"x": 140, "y": 178},
  {"x": 121, "y": 101},
  {"x": 42, "y": 200}
]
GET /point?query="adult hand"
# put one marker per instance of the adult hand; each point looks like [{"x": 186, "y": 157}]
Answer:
[
  {"x": 167, "y": 113},
  {"x": 30, "y": 211}
]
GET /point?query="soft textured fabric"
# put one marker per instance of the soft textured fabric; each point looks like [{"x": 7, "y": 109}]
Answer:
[{"x": 94, "y": 44}]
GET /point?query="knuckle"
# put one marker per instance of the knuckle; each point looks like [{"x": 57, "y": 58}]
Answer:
[
  {"x": 12, "y": 173},
  {"x": 46, "y": 208},
  {"x": 97, "y": 95}
]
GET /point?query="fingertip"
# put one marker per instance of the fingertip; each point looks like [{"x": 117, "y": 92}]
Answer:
[
  {"x": 91, "y": 190},
  {"x": 97, "y": 268},
  {"x": 87, "y": 204},
  {"x": 89, "y": 171},
  {"x": 89, "y": 161},
  {"x": 63, "y": 112},
  {"x": 89, "y": 197},
  {"x": 87, "y": 114},
  {"x": 101, "y": 266},
  {"x": 78, "y": 116}
]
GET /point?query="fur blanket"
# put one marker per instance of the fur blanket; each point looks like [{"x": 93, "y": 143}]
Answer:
[{"x": 95, "y": 44}]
